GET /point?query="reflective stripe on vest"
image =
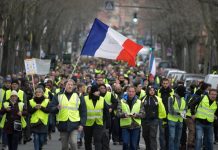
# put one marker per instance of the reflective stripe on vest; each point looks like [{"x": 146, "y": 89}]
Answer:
[
  {"x": 206, "y": 111},
  {"x": 125, "y": 109},
  {"x": 20, "y": 95},
  {"x": 39, "y": 114},
  {"x": 20, "y": 106},
  {"x": 107, "y": 98},
  {"x": 177, "y": 118},
  {"x": 69, "y": 108},
  {"x": 94, "y": 114}
]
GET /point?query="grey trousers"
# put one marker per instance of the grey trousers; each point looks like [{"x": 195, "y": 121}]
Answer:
[{"x": 69, "y": 138}]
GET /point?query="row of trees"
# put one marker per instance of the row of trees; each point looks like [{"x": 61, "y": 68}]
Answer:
[
  {"x": 31, "y": 25},
  {"x": 185, "y": 26}
]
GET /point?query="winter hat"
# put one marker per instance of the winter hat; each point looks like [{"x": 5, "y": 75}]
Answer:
[
  {"x": 94, "y": 89},
  {"x": 180, "y": 90},
  {"x": 14, "y": 93},
  {"x": 7, "y": 79},
  {"x": 204, "y": 86}
]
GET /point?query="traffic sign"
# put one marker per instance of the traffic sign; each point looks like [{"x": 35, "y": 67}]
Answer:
[{"x": 109, "y": 5}]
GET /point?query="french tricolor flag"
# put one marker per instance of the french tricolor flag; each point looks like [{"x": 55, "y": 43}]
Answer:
[
  {"x": 105, "y": 42},
  {"x": 152, "y": 64}
]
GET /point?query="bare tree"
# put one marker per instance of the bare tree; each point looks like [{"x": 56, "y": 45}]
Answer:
[{"x": 30, "y": 24}]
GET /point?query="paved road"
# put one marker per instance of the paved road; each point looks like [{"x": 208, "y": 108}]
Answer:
[{"x": 54, "y": 144}]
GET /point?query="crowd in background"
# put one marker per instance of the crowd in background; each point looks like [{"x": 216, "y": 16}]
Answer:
[{"x": 112, "y": 102}]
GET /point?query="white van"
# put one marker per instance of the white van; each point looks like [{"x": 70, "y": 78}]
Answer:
[{"x": 212, "y": 79}]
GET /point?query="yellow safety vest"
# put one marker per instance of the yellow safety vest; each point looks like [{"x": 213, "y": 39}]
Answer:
[
  {"x": 2, "y": 94},
  {"x": 107, "y": 98},
  {"x": 105, "y": 81},
  {"x": 39, "y": 115},
  {"x": 98, "y": 71},
  {"x": 57, "y": 90},
  {"x": 161, "y": 109},
  {"x": 94, "y": 114},
  {"x": 46, "y": 93},
  {"x": 189, "y": 110},
  {"x": 142, "y": 94},
  {"x": 20, "y": 106},
  {"x": 69, "y": 108},
  {"x": 125, "y": 109},
  {"x": 20, "y": 95},
  {"x": 205, "y": 110},
  {"x": 177, "y": 118},
  {"x": 157, "y": 80}
]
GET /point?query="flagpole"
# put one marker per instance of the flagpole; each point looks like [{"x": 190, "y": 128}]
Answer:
[
  {"x": 33, "y": 83},
  {"x": 78, "y": 59}
]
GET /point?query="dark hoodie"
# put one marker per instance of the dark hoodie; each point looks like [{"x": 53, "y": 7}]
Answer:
[{"x": 165, "y": 94}]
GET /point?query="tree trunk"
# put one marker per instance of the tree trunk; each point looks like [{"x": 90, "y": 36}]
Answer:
[
  {"x": 179, "y": 56},
  {"x": 191, "y": 63}
]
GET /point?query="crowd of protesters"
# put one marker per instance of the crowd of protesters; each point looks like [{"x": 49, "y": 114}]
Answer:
[{"x": 105, "y": 101}]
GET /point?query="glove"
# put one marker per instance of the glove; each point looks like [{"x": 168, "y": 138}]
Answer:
[{"x": 183, "y": 114}]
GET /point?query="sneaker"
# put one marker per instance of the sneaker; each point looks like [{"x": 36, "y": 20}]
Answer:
[
  {"x": 4, "y": 147},
  {"x": 116, "y": 143}
]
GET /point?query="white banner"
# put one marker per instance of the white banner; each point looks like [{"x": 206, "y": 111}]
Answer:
[
  {"x": 30, "y": 66},
  {"x": 37, "y": 66}
]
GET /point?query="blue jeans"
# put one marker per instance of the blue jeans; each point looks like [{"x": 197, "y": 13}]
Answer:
[
  {"x": 39, "y": 139},
  {"x": 130, "y": 138},
  {"x": 162, "y": 135},
  {"x": 175, "y": 133},
  {"x": 207, "y": 132}
]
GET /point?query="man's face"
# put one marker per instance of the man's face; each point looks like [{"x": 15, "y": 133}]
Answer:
[
  {"x": 39, "y": 94},
  {"x": 121, "y": 78},
  {"x": 139, "y": 88},
  {"x": 131, "y": 92},
  {"x": 102, "y": 89},
  {"x": 14, "y": 98},
  {"x": 70, "y": 86},
  {"x": 152, "y": 92},
  {"x": 213, "y": 95},
  {"x": 165, "y": 84},
  {"x": 100, "y": 81},
  {"x": 14, "y": 86},
  {"x": 97, "y": 93},
  {"x": 83, "y": 88},
  {"x": 8, "y": 85},
  {"x": 118, "y": 88},
  {"x": 49, "y": 84}
]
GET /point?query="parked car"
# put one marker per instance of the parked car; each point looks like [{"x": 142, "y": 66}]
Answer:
[
  {"x": 191, "y": 75},
  {"x": 167, "y": 70},
  {"x": 164, "y": 64},
  {"x": 212, "y": 79},
  {"x": 172, "y": 73},
  {"x": 192, "y": 80}
]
